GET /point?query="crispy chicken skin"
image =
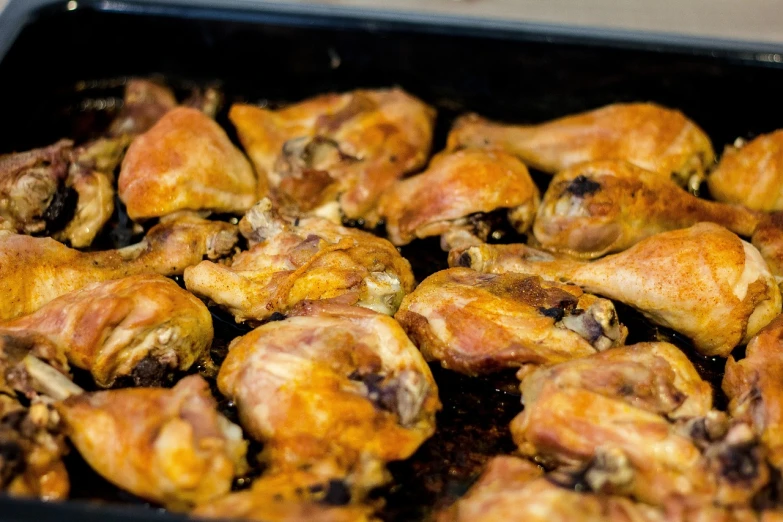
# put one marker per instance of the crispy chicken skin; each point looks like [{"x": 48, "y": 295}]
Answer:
[
  {"x": 702, "y": 281},
  {"x": 477, "y": 323},
  {"x": 334, "y": 390},
  {"x": 169, "y": 446},
  {"x": 336, "y": 153},
  {"x": 32, "y": 187},
  {"x": 455, "y": 186},
  {"x": 185, "y": 162},
  {"x": 650, "y": 136},
  {"x": 34, "y": 271},
  {"x": 145, "y": 102},
  {"x": 751, "y": 174},
  {"x": 304, "y": 259},
  {"x": 143, "y": 325},
  {"x": 754, "y": 386},
  {"x": 603, "y": 207}
]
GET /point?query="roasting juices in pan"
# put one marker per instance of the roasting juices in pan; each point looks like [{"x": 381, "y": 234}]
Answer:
[{"x": 323, "y": 320}]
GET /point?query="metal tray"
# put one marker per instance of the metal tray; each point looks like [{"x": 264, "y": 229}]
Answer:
[{"x": 63, "y": 73}]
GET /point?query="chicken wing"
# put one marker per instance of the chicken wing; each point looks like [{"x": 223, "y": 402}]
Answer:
[
  {"x": 142, "y": 326},
  {"x": 453, "y": 194},
  {"x": 169, "y": 446},
  {"x": 34, "y": 271},
  {"x": 309, "y": 258},
  {"x": 333, "y": 155},
  {"x": 702, "y": 281},
  {"x": 477, "y": 323},
  {"x": 751, "y": 174},
  {"x": 335, "y": 390},
  {"x": 185, "y": 162},
  {"x": 655, "y": 138},
  {"x": 754, "y": 386},
  {"x": 602, "y": 207}
]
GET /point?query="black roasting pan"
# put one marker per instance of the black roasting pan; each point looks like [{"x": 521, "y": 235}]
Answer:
[{"x": 64, "y": 65}]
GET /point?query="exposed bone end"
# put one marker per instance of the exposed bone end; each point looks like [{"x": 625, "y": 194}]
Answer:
[
  {"x": 610, "y": 471},
  {"x": 261, "y": 222},
  {"x": 411, "y": 391},
  {"x": 598, "y": 324},
  {"x": 522, "y": 217},
  {"x": 384, "y": 293},
  {"x": 49, "y": 381},
  {"x": 458, "y": 239},
  {"x": 706, "y": 430},
  {"x": 221, "y": 243}
]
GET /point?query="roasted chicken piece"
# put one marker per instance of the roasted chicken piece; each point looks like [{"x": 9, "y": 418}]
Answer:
[
  {"x": 304, "y": 259},
  {"x": 334, "y": 391},
  {"x": 34, "y": 271},
  {"x": 144, "y": 104},
  {"x": 185, "y": 162},
  {"x": 702, "y": 281},
  {"x": 754, "y": 386},
  {"x": 33, "y": 195},
  {"x": 477, "y": 323},
  {"x": 602, "y": 207},
  {"x": 768, "y": 239},
  {"x": 169, "y": 446},
  {"x": 650, "y": 136},
  {"x": 142, "y": 326},
  {"x": 333, "y": 155},
  {"x": 751, "y": 174},
  {"x": 455, "y": 192}
]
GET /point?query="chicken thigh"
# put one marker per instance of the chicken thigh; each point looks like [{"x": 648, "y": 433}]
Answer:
[
  {"x": 333, "y": 155},
  {"x": 303, "y": 259},
  {"x": 751, "y": 174},
  {"x": 141, "y": 326},
  {"x": 602, "y": 207},
  {"x": 454, "y": 193},
  {"x": 169, "y": 446},
  {"x": 185, "y": 162},
  {"x": 333, "y": 391},
  {"x": 702, "y": 281},
  {"x": 652, "y": 137},
  {"x": 34, "y": 271},
  {"x": 477, "y": 323}
]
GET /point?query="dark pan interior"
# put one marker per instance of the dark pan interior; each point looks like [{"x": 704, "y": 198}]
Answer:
[{"x": 64, "y": 75}]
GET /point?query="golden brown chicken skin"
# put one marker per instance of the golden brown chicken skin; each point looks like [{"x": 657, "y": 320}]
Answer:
[
  {"x": 751, "y": 174},
  {"x": 333, "y": 155},
  {"x": 603, "y": 207},
  {"x": 142, "y": 326},
  {"x": 185, "y": 162},
  {"x": 478, "y": 323},
  {"x": 169, "y": 446},
  {"x": 454, "y": 187},
  {"x": 650, "y": 136},
  {"x": 34, "y": 271},
  {"x": 333, "y": 390},
  {"x": 702, "y": 281},
  {"x": 303, "y": 259}
]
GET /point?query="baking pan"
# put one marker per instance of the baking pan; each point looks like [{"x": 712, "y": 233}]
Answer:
[{"x": 63, "y": 76}]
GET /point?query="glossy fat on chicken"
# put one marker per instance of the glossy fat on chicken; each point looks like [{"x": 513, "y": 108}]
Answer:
[
  {"x": 185, "y": 162},
  {"x": 454, "y": 187},
  {"x": 168, "y": 446},
  {"x": 603, "y": 207},
  {"x": 702, "y": 281},
  {"x": 477, "y": 323},
  {"x": 333, "y": 387},
  {"x": 751, "y": 174},
  {"x": 333, "y": 155},
  {"x": 512, "y": 489},
  {"x": 34, "y": 271},
  {"x": 290, "y": 261},
  {"x": 144, "y": 326},
  {"x": 754, "y": 386},
  {"x": 650, "y": 136}
]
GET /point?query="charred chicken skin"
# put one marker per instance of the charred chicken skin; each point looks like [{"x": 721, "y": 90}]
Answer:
[
  {"x": 649, "y": 136},
  {"x": 450, "y": 196},
  {"x": 477, "y": 323},
  {"x": 333, "y": 391},
  {"x": 34, "y": 271},
  {"x": 602, "y": 207},
  {"x": 292, "y": 260},
  {"x": 702, "y": 281},
  {"x": 333, "y": 155},
  {"x": 169, "y": 446}
]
